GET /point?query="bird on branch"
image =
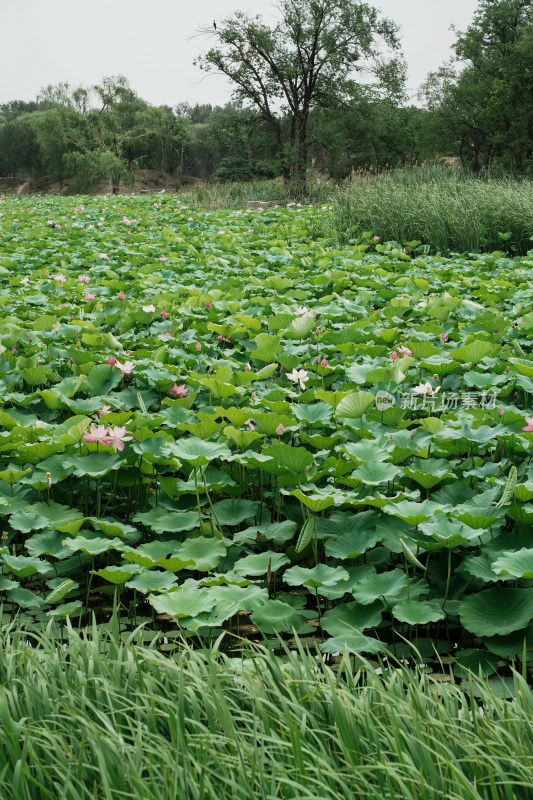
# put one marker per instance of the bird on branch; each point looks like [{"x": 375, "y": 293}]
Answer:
[{"x": 214, "y": 25}]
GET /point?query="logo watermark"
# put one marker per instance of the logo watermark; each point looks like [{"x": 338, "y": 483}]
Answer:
[{"x": 435, "y": 402}]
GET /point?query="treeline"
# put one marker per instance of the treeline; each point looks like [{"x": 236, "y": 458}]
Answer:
[
  {"x": 109, "y": 132},
  {"x": 478, "y": 109}
]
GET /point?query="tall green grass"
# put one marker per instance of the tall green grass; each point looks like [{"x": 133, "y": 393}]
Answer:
[
  {"x": 99, "y": 717},
  {"x": 450, "y": 210},
  {"x": 236, "y": 194}
]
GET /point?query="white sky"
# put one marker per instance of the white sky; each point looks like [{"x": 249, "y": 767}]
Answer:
[{"x": 154, "y": 43}]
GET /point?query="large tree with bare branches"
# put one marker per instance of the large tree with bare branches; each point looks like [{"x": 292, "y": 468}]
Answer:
[{"x": 320, "y": 53}]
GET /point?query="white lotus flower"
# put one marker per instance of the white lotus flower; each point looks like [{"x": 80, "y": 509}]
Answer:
[
  {"x": 298, "y": 376},
  {"x": 425, "y": 388}
]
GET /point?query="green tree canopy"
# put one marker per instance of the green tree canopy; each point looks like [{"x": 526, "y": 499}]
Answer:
[{"x": 310, "y": 58}]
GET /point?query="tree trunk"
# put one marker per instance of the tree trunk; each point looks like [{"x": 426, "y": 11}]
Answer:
[{"x": 301, "y": 164}]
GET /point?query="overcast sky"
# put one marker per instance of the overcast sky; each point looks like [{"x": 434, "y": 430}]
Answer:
[{"x": 154, "y": 43}]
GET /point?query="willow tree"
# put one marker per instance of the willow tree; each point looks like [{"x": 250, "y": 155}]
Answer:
[{"x": 320, "y": 53}]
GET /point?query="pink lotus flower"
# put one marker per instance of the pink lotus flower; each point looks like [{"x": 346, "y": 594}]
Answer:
[
  {"x": 376, "y": 238},
  {"x": 103, "y": 255},
  {"x": 444, "y": 337},
  {"x": 60, "y": 278},
  {"x": 178, "y": 391},
  {"x": 84, "y": 278},
  {"x": 162, "y": 258},
  {"x": 164, "y": 314},
  {"x": 125, "y": 368},
  {"x": 121, "y": 296},
  {"x": 111, "y": 361},
  {"x": 404, "y": 351},
  {"x": 303, "y": 311},
  {"x": 116, "y": 436},
  {"x": 280, "y": 429},
  {"x": 89, "y": 296},
  {"x": 96, "y": 434},
  {"x": 250, "y": 424},
  {"x": 529, "y": 424},
  {"x": 394, "y": 356},
  {"x": 105, "y": 410}
]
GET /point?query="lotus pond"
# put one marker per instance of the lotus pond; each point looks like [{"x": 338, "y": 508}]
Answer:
[{"x": 218, "y": 421}]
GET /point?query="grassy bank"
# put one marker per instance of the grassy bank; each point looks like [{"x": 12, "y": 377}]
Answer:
[
  {"x": 97, "y": 717},
  {"x": 450, "y": 210}
]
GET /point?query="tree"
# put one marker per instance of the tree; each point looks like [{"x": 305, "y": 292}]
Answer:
[
  {"x": 488, "y": 104},
  {"x": 308, "y": 59}
]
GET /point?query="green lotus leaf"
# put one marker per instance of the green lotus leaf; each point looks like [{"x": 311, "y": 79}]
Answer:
[
  {"x": 296, "y": 459},
  {"x": 103, "y": 378},
  {"x": 23, "y": 566},
  {"x": 66, "y": 609},
  {"x": 183, "y": 602},
  {"x": 518, "y": 563},
  {"x": 197, "y": 452},
  {"x": 95, "y": 465},
  {"x": 314, "y": 578},
  {"x": 374, "y": 473},
  {"x": 497, "y": 611},
  {"x": 413, "y": 513},
  {"x": 275, "y": 616},
  {"x": 48, "y": 543},
  {"x": 352, "y": 642},
  {"x": 313, "y": 413},
  {"x": 161, "y": 554},
  {"x": 476, "y": 351},
  {"x": 94, "y": 546},
  {"x": 348, "y": 617},
  {"x": 235, "y": 510},
  {"x": 60, "y": 591},
  {"x": 353, "y": 543},
  {"x": 25, "y": 598},
  {"x": 389, "y": 585},
  {"x": 204, "y": 551},
  {"x": 260, "y": 563},
  {"x": 25, "y": 521},
  {"x": 168, "y": 521},
  {"x": 473, "y": 663},
  {"x": 354, "y": 405},
  {"x": 152, "y": 581},
  {"x": 118, "y": 575},
  {"x": 418, "y": 612}
]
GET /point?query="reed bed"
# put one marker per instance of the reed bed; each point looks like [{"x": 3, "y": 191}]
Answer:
[{"x": 96, "y": 715}]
